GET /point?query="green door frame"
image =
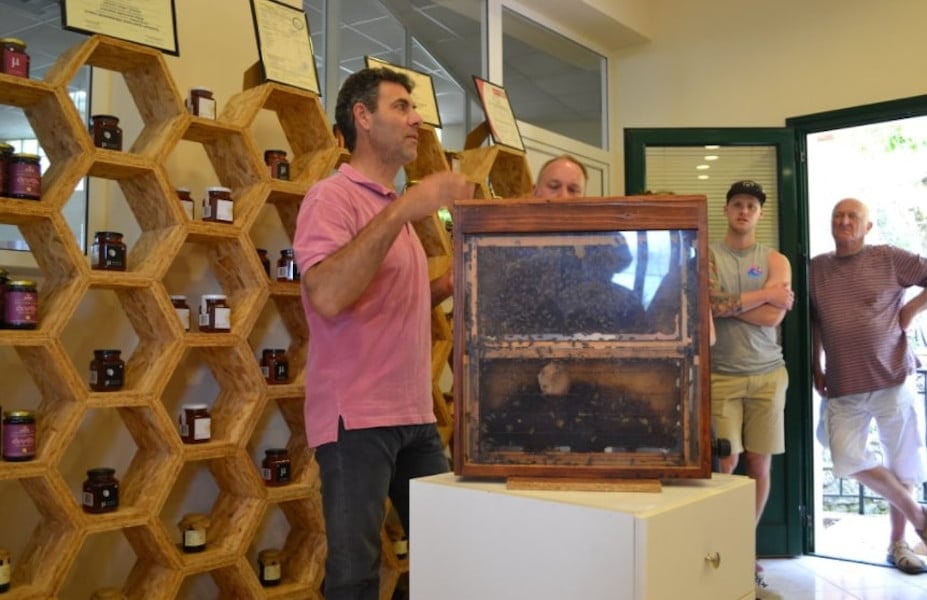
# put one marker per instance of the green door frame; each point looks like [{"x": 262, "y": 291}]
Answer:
[{"x": 782, "y": 531}]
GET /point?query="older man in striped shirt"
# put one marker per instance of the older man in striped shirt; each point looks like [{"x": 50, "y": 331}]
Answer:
[{"x": 859, "y": 318}]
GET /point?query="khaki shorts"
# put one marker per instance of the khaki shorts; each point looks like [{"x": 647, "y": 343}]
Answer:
[{"x": 749, "y": 410}]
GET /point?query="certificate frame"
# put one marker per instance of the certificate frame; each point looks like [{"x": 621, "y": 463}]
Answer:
[
  {"x": 423, "y": 90},
  {"x": 151, "y": 23},
  {"x": 499, "y": 115},
  {"x": 284, "y": 43}
]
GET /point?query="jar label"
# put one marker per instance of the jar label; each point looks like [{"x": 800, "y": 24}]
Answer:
[
  {"x": 187, "y": 206},
  {"x": 184, "y": 315},
  {"x": 202, "y": 428},
  {"x": 6, "y": 571},
  {"x": 281, "y": 371},
  {"x": 88, "y": 499},
  {"x": 15, "y": 63},
  {"x": 222, "y": 318},
  {"x": 207, "y": 210},
  {"x": 272, "y": 572},
  {"x": 25, "y": 179},
  {"x": 224, "y": 210},
  {"x": 203, "y": 319},
  {"x": 206, "y": 108},
  {"x": 20, "y": 307},
  {"x": 194, "y": 538},
  {"x": 18, "y": 440}
]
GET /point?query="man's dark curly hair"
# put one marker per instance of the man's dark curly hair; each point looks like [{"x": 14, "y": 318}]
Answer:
[{"x": 363, "y": 86}]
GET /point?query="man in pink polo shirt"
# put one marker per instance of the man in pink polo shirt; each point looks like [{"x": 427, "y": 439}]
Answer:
[{"x": 367, "y": 300}]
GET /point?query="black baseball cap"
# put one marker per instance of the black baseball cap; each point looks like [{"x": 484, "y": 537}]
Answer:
[{"x": 745, "y": 186}]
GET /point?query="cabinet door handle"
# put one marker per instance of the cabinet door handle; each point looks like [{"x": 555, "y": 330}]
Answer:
[{"x": 714, "y": 559}]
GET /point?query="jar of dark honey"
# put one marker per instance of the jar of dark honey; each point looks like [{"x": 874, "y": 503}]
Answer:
[
  {"x": 24, "y": 176},
  {"x": 286, "y": 266},
  {"x": 277, "y": 164},
  {"x": 6, "y": 570},
  {"x": 215, "y": 314},
  {"x": 13, "y": 57},
  {"x": 201, "y": 103},
  {"x": 106, "y": 132},
  {"x": 107, "y": 371},
  {"x": 6, "y": 151},
  {"x": 183, "y": 311},
  {"x": 275, "y": 468},
  {"x": 218, "y": 205},
  {"x": 101, "y": 491},
  {"x": 108, "y": 251},
  {"x": 193, "y": 527},
  {"x": 195, "y": 423},
  {"x": 20, "y": 305},
  {"x": 19, "y": 439},
  {"x": 186, "y": 201},
  {"x": 275, "y": 366},
  {"x": 270, "y": 567}
]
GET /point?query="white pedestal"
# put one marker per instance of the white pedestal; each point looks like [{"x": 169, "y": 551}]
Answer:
[{"x": 475, "y": 539}]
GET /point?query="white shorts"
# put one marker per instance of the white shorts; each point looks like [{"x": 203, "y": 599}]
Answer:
[{"x": 846, "y": 423}]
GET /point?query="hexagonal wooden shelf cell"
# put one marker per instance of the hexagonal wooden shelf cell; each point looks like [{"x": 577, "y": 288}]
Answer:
[
  {"x": 41, "y": 532},
  {"x": 498, "y": 171},
  {"x": 227, "y": 491},
  {"x": 61, "y": 134},
  {"x": 141, "y": 326},
  {"x": 89, "y": 574},
  {"x": 148, "y": 80},
  {"x": 141, "y": 194},
  {"x": 207, "y": 264},
  {"x": 302, "y": 120},
  {"x": 297, "y": 530},
  {"x": 282, "y": 326},
  {"x": 54, "y": 394},
  {"x": 281, "y": 425}
]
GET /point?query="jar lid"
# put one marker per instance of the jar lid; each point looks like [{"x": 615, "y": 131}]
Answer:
[
  {"x": 18, "y": 414},
  {"x": 194, "y": 520},
  {"x": 112, "y": 117},
  {"x": 287, "y": 251},
  {"x": 12, "y": 40},
  {"x": 109, "y": 233},
  {"x": 195, "y": 406},
  {"x": 105, "y": 351},
  {"x": 275, "y": 451},
  {"x": 214, "y": 296},
  {"x": 283, "y": 152},
  {"x": 270, "y": 554},
  {"x": 21, "y": 283},
  {"x": 280, "y": 350},
  {"x": 6, "y": 148},
  {"x": 178, "y": 297},
  {"x": 182, "y": 189},
  {"x": 219, "y": 188},
  {"x": 26, "y": 156},
  {"x": 101, "y": 472},
  {"x": 201, "y": 88}
]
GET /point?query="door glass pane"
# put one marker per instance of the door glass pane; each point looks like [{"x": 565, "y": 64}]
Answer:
[{"x": 710, "y": 171}]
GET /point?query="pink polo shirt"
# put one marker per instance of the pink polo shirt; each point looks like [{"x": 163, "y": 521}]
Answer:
[{"x": 370, "y": 365}]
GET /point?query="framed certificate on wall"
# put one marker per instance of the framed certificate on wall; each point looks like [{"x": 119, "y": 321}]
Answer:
[
  {"x": 147, "y": 22},
  {"x": 423, "y": 90},
  {"x": 499, "y": 115},
  {"x": 284, "y": 44}
]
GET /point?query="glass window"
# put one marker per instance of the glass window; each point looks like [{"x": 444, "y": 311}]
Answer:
[{"x": 553, "y": 82}]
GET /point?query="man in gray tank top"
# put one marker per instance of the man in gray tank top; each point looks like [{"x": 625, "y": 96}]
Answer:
[{"x": 750, "y": 290}]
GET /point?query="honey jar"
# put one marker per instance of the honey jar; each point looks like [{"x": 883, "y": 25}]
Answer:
[
  {"x": 106, "y": 132},
  {"x": 195, "y": 423},
  {"x": 215, "y": 314},
  {"x": 218, "y": 205},
  {"x": 193, "y": 528},
  {"x": 183, "y": 311},
  {"x": 101, "y": 491},
  {"x": 277, "y": 164},
  {"x": 275, "y": 468},
  {"x": 108, "y": 251},
  {"x": 19, "y": 439},
  {"x": 274, "y": 366},
  {"x": 24, "y": 176},
  {"x": 270, "y": 567},
  {"x": 186, "y": 201},
  {"x": 6, "y": 151},
  {"x": 107, "y": 371},
  {"x": 13, "y": 57},
  {"x": 6, "y": 570},
  {"x": 20, "y": 305},
  {"x": 286, "y": 266},
  {"x": 201, "y": 103}
]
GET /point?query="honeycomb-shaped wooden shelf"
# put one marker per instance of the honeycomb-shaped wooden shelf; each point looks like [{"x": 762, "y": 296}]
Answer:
[{"x": 144, "y": 410}]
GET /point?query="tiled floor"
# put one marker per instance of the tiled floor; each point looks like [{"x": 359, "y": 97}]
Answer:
[{"x": 816, "y": 578}]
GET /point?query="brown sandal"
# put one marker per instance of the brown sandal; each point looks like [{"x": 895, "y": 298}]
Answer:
[{"x": 901, "y": 556}]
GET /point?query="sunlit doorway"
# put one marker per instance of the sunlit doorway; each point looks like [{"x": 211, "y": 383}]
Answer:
[{"x": 885, "y": 165}]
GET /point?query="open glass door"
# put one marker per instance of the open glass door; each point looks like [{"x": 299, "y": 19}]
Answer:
[{"x": 707, "y": 161}]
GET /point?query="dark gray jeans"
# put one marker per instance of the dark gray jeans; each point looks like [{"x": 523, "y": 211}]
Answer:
[{"x": 357, "y": 473}]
